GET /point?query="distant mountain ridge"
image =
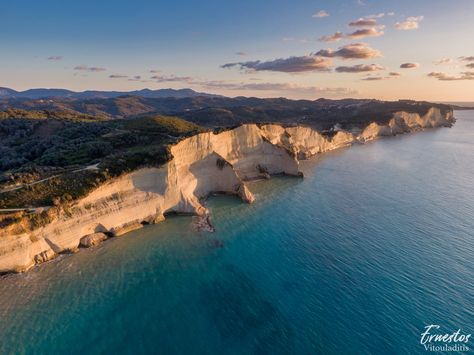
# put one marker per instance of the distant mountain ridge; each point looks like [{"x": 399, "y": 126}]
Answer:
[{"x": 42, "y": 93}]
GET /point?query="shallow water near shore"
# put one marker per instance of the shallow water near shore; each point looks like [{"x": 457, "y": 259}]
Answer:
[{"x": 375, "y": 243}]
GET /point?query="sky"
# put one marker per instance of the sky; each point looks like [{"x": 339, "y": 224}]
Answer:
[{"x": 384, "y": 49}]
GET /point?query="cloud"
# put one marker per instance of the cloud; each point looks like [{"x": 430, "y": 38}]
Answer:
[
  {"x": 391, "y": 13},
  {"x": 117, "y": 76},
  {"x": 137, "y": 78},
  {"x": 363, "y": 22},
  {"x": 336, "y": 37},
  {"x": 351, "y": 51},
  {"x": 360, "y": 2},
  {"x": 171, "y": 78},
  {"x": 294, "y": 88},
  {"x": 444, "y": 61},
  {"x": 379, "y": 15},
  {"x": 287, "y": 65},
  {"x": 375, "y": 78},
  {"x": 394, "y": 73},
  {"x": 469, "y": 75},
  {"x": 409, "y": 65},
  {"x": 55, "y": 57},
  {"x": 320, "y": 13},
  {"x": 365, "y": 32},
  {"x": 467, "y": 59},
  {"x": 470, "y": 65},
  {"x": 242, "y": 54},
  {"x": 291, "y": 39},
  {"x": 362, "y": 33},
  {"x": 90, "y": 69},
  {"x": 411, "y": 23},
  {"x": 154, "y": 71},
  {"x": 359, "y": 68}
]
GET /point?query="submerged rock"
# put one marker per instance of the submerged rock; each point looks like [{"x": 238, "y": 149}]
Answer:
[{"x": 203, "y": 224}]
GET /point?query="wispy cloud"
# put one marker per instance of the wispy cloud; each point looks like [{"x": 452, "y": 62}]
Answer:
[
  {"x": 292, "y": 39},
  {"x": 288, "y": 65},
  {"x": 314, "y": 91},
  {"x": 376, "y": 78},
  {"x": 171, "y": 78},
  {"x": 154, "y": 71},
  {"x": 359, "y": 68},
  {"x": 365, "y": 32},
  {"x": 467, "y": 59},
  {"x": 444, "y": 61},
  {"x": 137, "y": 78},
  {"x": 379, "y": 15},
  {"x": 364, "y": 22},
  {"x": 409, "y": 65},
  {"x": 358, "y": 34},
  {"x": 242, "y": 54},
  {"x": 320, "y": 13},
  {"x": 89, "y": 69},
  {"x": 351, "y": 51},
  {"x": 55, "y": 58},
  {"x": 336, "y": 37},
  {"x": 117, "y": 76},
  {"x": 469, "y": 75},
  {"x": 411, "y": 23}
]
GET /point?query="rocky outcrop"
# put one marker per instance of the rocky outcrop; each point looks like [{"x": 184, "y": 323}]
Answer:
[
  {"x": 202, "y": 164},
  {"x": 403, "y": 122},
  {"x": 305, "y": 142},
  {"x": 92, "y": 240}
]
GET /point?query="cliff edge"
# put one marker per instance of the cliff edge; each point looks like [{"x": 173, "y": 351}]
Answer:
[{"x": 202, "y": 164}]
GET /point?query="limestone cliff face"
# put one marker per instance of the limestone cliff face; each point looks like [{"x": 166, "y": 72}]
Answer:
[
  {"x": 201, "y": 164},
  {"x": 305, "y": 142},
  {"x": 403, "y": 122}
]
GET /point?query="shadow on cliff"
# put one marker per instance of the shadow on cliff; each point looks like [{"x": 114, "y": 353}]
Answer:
[
  {"x": 154, "y": 180},
  {"x": 214, "y": 174}
]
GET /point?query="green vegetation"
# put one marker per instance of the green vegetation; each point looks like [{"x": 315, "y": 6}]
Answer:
[
  {"x": 212, "y": 112},
  {"x": 56, "y": 191},
  {"x": 43, "y": 145},
  {"x": 45, "y": 114},
  {"x": 56, "y": 139},
  {"x": 163, "y": 124}
]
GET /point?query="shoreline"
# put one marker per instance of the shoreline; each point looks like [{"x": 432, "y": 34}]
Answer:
[{"x": 201, "y": 165}]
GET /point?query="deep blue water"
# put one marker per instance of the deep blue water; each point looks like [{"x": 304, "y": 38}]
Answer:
[{"x": 376, "y": 242}]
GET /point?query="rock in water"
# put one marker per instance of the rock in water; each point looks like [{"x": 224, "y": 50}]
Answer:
[
  {"x": 203, "y": 224},
  {"x": 92, "y": 239}
]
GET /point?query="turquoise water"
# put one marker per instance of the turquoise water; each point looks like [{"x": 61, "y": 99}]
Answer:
[{"x": 375, "y": 243}]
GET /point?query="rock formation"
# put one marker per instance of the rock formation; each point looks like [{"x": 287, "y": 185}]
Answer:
[{"x": 202, "y": 164}]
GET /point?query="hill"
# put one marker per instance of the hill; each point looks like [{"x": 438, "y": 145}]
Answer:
[{"x": 210, "y": 111}]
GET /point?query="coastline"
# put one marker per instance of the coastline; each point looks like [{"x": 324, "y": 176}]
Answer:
[{"x": 202, "y": 164}]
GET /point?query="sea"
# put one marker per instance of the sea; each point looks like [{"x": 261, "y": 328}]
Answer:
[{"x": 374, "y": 244}]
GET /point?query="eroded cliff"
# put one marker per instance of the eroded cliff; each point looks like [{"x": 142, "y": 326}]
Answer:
[{"x": 202, "y": 164}]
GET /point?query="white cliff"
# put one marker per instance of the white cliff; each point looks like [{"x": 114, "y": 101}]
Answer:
[
  {"x": 403, "y": 122},
  {"x": 202, "y": 164}
]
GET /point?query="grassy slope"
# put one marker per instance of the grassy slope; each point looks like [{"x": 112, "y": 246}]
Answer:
[{"x": 39, "y": 146}]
